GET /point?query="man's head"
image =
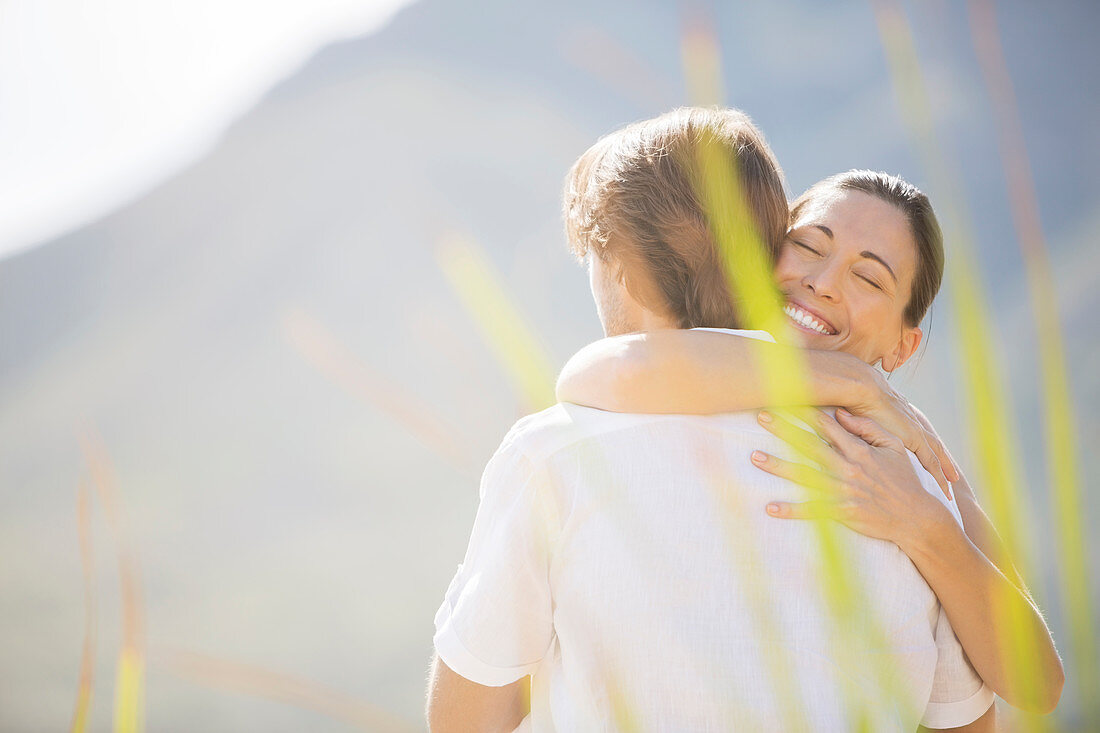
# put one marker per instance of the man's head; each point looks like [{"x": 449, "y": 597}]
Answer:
[{"x": 633, "y": 209}]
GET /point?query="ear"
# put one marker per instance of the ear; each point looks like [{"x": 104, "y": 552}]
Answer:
[
  {"x": 636, "y": 285},
  {"x": 903, "y": 349}
]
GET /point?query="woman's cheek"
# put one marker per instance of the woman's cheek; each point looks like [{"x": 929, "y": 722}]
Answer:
[
  {"x": 784, "y": 266},
  {"x": 877, "y": 326}
]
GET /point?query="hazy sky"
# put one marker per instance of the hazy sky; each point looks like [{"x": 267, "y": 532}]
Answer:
[{"x": 100, "y": 100}]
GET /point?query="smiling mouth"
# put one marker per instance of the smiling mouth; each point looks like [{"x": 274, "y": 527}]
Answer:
[{"x": 807, "y": 321}]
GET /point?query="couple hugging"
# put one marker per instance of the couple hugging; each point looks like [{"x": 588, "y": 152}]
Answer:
[{"x": 637, "y": 562}]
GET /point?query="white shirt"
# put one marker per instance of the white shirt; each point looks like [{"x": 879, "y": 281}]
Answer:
[{"x": 627, "y": 563}]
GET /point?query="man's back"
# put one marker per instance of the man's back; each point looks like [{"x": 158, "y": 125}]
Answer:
[{"x": 626, "y": 561}]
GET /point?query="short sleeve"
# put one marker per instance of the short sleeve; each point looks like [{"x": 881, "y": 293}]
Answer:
[
  {"x": 959, "y": 696},
  {"x": 496, "y": 621}
]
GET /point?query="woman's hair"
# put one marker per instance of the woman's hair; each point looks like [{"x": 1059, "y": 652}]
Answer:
[{"x": 923, "y": 224}]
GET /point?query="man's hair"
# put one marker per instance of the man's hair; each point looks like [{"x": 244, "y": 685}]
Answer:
[{"x": 634, "y": 199}]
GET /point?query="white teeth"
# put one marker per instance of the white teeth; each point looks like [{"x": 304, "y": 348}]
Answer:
[{"x": 800, "y": 316}]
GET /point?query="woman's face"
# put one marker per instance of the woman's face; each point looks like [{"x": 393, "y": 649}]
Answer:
[{"x": 846, "y": 270}]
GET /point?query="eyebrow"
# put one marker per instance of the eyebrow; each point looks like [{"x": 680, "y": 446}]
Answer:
[
  {"x": 869, "y": 255},
  {"x": 873, "y": 256}
]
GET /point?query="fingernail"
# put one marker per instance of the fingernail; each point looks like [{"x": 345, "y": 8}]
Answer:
[
  {"x": 758, "y": 457},
  {"x": 764, "y": 417},
  {"x": 773, "y": 509}
]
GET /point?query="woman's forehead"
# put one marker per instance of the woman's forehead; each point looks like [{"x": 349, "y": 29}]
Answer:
[{"x": 863, "y": 222}]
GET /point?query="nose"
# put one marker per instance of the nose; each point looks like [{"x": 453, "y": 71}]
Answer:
[{"x": 822, "y": 282}]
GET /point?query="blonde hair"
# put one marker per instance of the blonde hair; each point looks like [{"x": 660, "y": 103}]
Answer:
[{"x": 633, "y": 199}]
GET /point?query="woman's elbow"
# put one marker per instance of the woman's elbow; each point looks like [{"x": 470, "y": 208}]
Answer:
[
  {"x": 1040, "y": 696},
  {"x": 1053, "y": 689},
  {"x": 578, "y": 386},
  {"x": 596, "y": 378}
]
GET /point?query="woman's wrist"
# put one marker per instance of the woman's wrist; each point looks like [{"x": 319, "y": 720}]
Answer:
[
  {"x": 928, "y": 532},
  {"x": 841, "y": 379}
]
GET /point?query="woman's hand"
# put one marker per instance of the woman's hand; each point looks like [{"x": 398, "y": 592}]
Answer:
[
  {"x": 866, "y": 480},
  {"x": 890, "y": 411}
]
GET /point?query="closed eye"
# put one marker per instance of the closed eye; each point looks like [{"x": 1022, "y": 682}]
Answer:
[
  {"x": 870, "y": 282},
  {"x": 805, "y": 246}
]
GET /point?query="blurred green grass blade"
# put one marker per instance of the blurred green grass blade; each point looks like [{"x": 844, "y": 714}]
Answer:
[
  {"x": 1057, "y": 404},
  {"x": 511, "y": 340},
  {"x": 129, "y": 691},
  {"x": 986, "y": 400},
  {"x": 85, "y": 685}
]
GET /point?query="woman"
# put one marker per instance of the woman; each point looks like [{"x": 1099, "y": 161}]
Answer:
[{"x": 861, "y": 264}]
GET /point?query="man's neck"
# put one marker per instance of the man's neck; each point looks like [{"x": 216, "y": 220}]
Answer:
[
  {"x": 641, "y": 320},
  {"x": 650, "y": 321}
]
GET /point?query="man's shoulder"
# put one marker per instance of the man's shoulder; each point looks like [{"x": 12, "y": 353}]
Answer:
[
  {"x": 542, "y": 434},
  {"x": 530, "y": 441}
]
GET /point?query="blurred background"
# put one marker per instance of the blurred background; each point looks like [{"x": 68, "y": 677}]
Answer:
[{"x": 276, "y": 278}]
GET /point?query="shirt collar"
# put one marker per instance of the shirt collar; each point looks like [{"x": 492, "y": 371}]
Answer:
[{"x": 760, "y": 335}]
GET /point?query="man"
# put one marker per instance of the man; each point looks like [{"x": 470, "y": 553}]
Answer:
[{"x": 622, "y": 562}]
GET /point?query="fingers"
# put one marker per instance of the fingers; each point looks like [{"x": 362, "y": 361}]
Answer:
[
  {"x": 867, "y": 429},
  {"x": 875, "y": 434},
  {"x": 951, "y": 468},
  {"x": 945, "y": 468},
  {"x": 803, "y": 441},
  {"x": 846, "y": 441},
  {"x": 936, "y": 446},
  {"x": 799, "y": 473},
  {"x": 956, "y": 472},
  {"x": 932, "y": 464},
  {"x": 802, "y": 510},
  {"x": 921, "y": 417}
]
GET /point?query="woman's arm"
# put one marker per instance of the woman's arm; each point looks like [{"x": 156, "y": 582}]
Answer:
[
  {"x": 700, "y": 372},
  {"x": 983, "y": 534},
  {"x": 874, "y": 491},
  {"x": 704, "y": 372},
  {"x": 977, "y": 523},
  {"x": 997, "y": 622}
]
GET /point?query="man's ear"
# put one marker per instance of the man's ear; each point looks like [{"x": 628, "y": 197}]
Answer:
[
  {"x": 635, "y": 285},
  {"x": 903, "y": 349}
]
